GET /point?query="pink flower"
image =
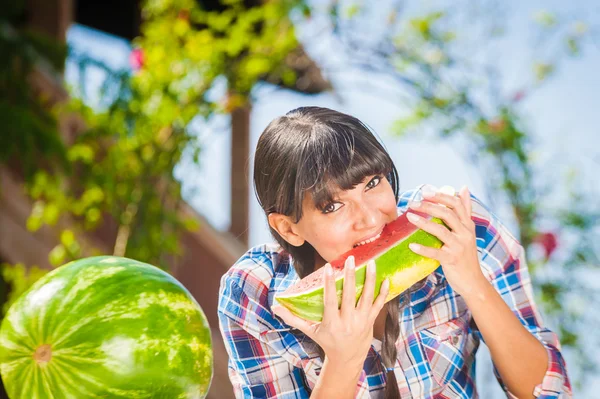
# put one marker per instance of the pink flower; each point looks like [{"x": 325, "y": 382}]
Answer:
[
  {"x": 136, "y": 59},
  {"x": 518, "y": 96},
  {"x": 548, "y": 241}
]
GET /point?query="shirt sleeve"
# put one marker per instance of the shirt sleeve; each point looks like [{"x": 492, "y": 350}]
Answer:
[
  {"x": 256, "y": 366},
  {"x": 502, "y": 259}
]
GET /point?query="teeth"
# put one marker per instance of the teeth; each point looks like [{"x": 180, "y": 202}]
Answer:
[{"x": 368, "y": 241}]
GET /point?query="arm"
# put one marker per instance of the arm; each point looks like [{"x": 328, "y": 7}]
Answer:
[
  {"x": 526, "y": 355},
  {"x": 519, "y": 357},
  {"x": 337, "y": 381}
]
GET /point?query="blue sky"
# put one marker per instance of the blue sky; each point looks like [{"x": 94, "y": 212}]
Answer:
[{"x": 563, "y": 114}]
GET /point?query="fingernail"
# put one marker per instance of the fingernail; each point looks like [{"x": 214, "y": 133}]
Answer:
[
  {"x": 386, "y": 284},
  {"x": 412, "y": 217},
  {"x": 414, "y": 204},
  {"x": 371, "y": 266},
  {"x": 328, "y": 270},
  {"x": 413, "y": 246},
  {"x": 448, "y": 190},
  {"x": 428, "y": 191},
  {"x": 350, "y": 263}
]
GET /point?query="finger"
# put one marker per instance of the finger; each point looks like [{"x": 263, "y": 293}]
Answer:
[
  {"x": 330, "y": 301},
  {"x": 445, "y": 197},
  {"x": 384, "y": 290},
  {"x": 438, "y": 230},
  {"x": 433, "y": 253},
  {"x": 465, "y": 195},
  {"x": 349, "y": 293},
  {"x": 292, "y": 320},
  {"x": 449, "y": 216},
  {"x": 366, "y": 299}
]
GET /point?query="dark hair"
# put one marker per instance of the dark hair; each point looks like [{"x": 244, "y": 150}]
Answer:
[{"x": 314, "y": 150}]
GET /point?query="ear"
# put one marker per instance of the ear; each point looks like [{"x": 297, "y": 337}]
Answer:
[{"x": 284, "y": 225}]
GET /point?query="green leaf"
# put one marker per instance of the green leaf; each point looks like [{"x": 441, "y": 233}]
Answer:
[
  {"x": 80, "y": 152},
  {"x": 352, "y": 10},
  {"x": 257, "y": 66},
  {"x": 580, "y": 28},
  {"x": 67, "y": 238},
  {"x": 92, "y": 217},
  {"x": 35, "y": 219},
  {"x": 57, "y": 255},
  {"x": 422, "y": 27},
  {"x": 567, "y": 336},
  {"x": 191, "y": 224},
  {"x": 542, "y": 70},
  {"x": 19, "y": 278},
  {"x": 544, "y": 18},
  {"x": 573, "y": 45},
  {"x": 551, "y": 293},
  {"x": 449, "y": 36}
]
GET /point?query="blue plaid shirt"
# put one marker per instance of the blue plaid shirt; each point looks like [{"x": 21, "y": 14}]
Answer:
[{"x": 437, "y": 343}]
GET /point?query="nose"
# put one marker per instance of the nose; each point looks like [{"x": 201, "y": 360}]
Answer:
[{"x": 366, "y": 217}]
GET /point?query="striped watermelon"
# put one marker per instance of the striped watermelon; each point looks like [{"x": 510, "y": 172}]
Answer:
[
  {"x": 106, "y": 327},
  {"x": 392, "y": 256}
]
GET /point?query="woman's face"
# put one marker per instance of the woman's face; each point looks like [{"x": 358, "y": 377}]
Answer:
[{"x": 354, "y": 216}]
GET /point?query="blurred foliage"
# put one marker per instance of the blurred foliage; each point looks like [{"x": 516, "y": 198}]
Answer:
[
  {"x": 21, "y": 109},
  {"x": 447, "y": 62},
  {"x": 19, "y": 278},
  {"x": 117, "y": 173}
]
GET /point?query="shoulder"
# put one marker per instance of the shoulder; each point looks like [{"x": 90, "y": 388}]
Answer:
[
  {"x": 245, "y": 289},
  {"x": 256, "y": 267}
]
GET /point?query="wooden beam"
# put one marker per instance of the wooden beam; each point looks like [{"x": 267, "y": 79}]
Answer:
[
  {"x": 240, "y": 152},
  {"x": 220, "y": 244},
  {"x": 52, "y": 17}
]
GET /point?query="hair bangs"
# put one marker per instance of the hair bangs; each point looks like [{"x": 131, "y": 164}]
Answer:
[{"x": 336, "y": 161}]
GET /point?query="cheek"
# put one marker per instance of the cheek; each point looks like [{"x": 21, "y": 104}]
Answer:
[
  {"x": 332, "y": 240},
  {"x": 386, "y": 203},
  {"x": 391, "y": 208},
  {"x": 331, "y": 235}
]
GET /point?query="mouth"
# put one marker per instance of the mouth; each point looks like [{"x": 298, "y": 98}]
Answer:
[{"x": 369, "y": 240}]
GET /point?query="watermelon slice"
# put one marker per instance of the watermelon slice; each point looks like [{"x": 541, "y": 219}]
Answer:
[{"x": 394, "y": 260}]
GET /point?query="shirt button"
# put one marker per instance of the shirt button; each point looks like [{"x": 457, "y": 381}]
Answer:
[{"x": 455, "y": 340}]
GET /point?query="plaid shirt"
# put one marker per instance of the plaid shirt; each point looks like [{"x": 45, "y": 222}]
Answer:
[{"x": 438, "y": 338}]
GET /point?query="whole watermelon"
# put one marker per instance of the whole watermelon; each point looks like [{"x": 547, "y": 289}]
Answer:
[{"x": 106, "y": 327}]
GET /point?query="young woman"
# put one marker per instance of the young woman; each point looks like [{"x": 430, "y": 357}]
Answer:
[{"x": 327, "y": 185}]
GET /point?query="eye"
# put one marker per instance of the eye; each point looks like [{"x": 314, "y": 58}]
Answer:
[
  {"x": 331, "y": 207},
  {"x": 374, "y": 182}
]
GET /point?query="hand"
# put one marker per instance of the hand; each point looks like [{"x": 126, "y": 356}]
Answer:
[
  {"x": 345, "y": 334},
  {"x": 458, "y": 255}
]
